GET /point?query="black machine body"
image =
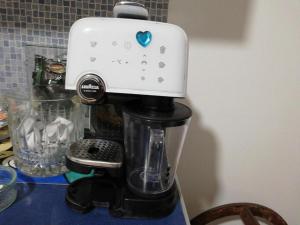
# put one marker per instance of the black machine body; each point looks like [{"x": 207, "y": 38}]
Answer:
[{"x": 103, "y": 152}]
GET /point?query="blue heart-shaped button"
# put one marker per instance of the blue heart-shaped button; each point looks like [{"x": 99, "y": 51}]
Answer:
[{"x": 144, "y": 38}]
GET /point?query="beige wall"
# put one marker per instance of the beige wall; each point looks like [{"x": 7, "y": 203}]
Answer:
[{"x": 244, "y": 88}]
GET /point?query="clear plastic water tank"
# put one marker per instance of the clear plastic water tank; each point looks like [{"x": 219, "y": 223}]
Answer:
[{"x": 153, "y": 145}]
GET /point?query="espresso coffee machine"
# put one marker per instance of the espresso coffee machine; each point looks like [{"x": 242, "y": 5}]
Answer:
[{"x": 128, "y": 71}]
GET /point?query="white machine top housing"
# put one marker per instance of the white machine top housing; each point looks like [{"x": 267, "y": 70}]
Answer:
[{"x": 130, "y": 56}]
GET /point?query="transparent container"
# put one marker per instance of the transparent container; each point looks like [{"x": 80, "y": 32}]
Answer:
[
  {"x": 153, "y": 147},
  {"x": 8, "y": 190},
  {"x": 46, "y": 119},
  {"x": 42, "y": 131}
]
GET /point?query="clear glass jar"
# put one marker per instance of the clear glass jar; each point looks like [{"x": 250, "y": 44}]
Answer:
[
  {"x": 153, "y": 148},
  {"x": 44, "y": 119},
  {"x": 42, "y": 131}
]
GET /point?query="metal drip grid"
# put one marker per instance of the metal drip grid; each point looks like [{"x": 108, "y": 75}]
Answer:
[{"x": 96, "y": 153}]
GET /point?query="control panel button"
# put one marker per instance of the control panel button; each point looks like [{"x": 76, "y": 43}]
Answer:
[
  {"x": 127, "y": 45},
  {"x": 119, "y": 61},
  {"x": 161, "y": 65},
  {"x": 93, "y": 59},
  {"x": 160, "y": 79},
  {"x": 93, "y": 44},
  {"x": 144, "y": 38},
  {"x": 162, "y": 49},
  {"x": 144, "y": 62},
  {"x": 114, "y": 43}
]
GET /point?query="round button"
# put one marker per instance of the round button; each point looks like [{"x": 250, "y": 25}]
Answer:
[{"x": 90, "y": 88}]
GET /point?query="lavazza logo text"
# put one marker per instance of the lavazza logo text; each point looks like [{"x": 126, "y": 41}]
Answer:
[{"x": 90, "y": 86}]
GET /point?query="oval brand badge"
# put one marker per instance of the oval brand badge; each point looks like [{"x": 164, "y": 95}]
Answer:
[{"x": 144, "y": 38}]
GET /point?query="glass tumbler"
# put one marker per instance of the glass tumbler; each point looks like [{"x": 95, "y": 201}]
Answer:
[
  {"x": 42, "y": 130},
  {"x": 44, "y": 118}
]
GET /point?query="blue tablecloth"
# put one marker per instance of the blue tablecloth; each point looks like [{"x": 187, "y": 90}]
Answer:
[{"x": 41, "y": 202}]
